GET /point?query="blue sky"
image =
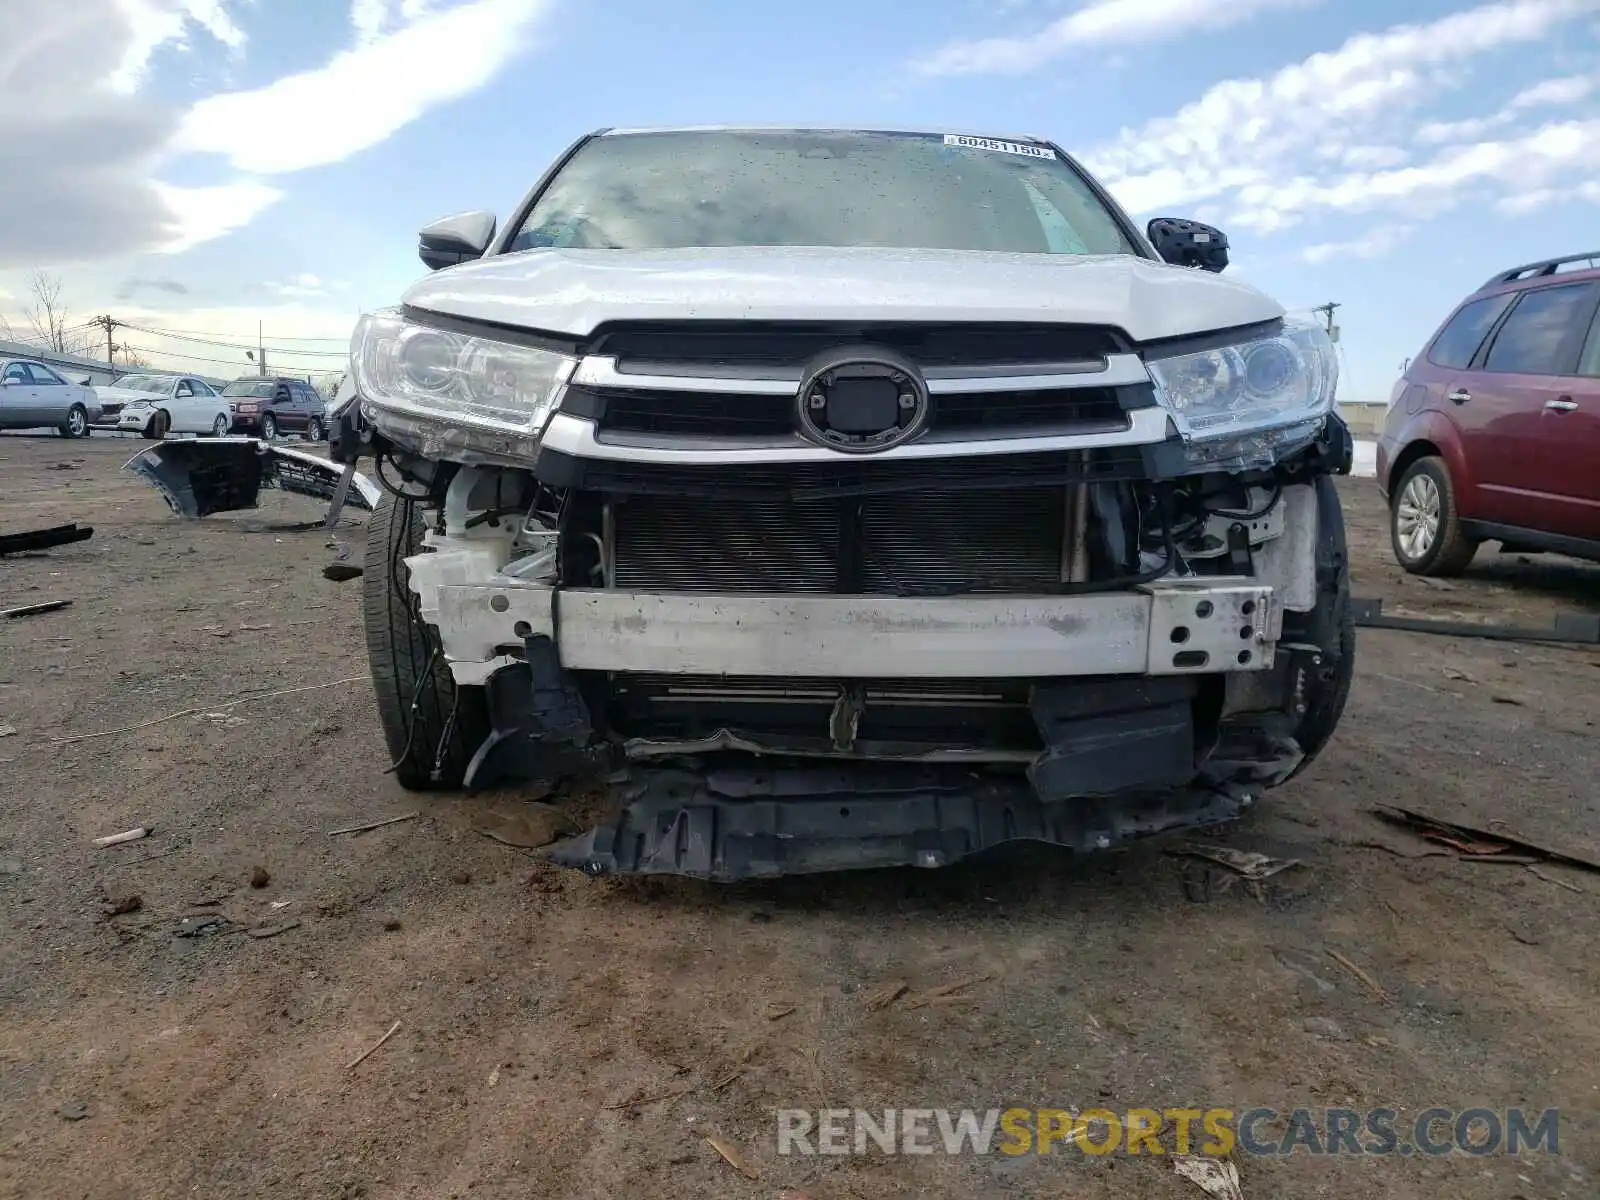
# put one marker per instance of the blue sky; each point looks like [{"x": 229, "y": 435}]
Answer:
[{"x": 1389, "y": 156}]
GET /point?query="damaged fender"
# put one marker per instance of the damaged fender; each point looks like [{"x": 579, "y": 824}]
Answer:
[{"x": 198, "y": 478}]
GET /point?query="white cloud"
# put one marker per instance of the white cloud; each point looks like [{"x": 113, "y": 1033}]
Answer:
[
  {"x": 200, "y": 214},
  {"x": 1247, "y": 144},
  {"x": 371, "y": 18},
  {"x": 157, "y": 23},
  {"x": 1523, "y": 203},
  {"x": 362, "y": 96},
  {"x": 1568, "y": 90},
  {"x": 1373, "y": 244},
  {"x": 299, "y": 285},
  {"x": 1098, "y": 23}
]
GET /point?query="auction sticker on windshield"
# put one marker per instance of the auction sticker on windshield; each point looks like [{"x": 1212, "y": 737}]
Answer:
[{"x": 998, "y": 146}]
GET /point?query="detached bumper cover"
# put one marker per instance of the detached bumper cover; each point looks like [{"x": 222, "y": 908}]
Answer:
[
  {"x": 753, "y": 823},
  {"x": 199, "y": 478}
]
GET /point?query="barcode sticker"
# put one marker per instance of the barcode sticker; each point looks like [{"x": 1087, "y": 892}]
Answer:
[{"x": 998, "y": 146}]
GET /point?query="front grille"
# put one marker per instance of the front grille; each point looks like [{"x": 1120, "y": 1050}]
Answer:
[
  {"x": 791, "y": 343},
  {"x": 715, "y": 414},
  {"x": 907, "y": 543}
]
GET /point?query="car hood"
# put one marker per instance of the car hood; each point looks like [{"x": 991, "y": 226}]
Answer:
[
  {"x": 123, "y": 395},
  {"x": 574, "y": 291}
]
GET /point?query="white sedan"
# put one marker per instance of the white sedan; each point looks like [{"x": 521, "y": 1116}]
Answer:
[
  {"x": 156, "y": 405},
  {"x": 33, "y": 396}
]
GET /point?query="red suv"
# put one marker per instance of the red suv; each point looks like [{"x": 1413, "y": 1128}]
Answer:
[{"x": 1493, "y": 433}]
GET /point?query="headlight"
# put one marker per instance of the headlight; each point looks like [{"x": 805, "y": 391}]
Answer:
[
  {"x": 138, "y": 404},
  {"x": 1247, "y": 399},
  {"x": 452, "y": 394}
]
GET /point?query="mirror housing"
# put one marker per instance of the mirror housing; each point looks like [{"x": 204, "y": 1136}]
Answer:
[
  {"x": 1189, "y": 243},
  {"x": 458, "y": 239}
]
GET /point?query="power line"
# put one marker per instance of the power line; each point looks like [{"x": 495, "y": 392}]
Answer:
[
  {"x": 190, "y": 333},
  {"x": 223, "y": 362},
  {"x": 236, "y": 345}
]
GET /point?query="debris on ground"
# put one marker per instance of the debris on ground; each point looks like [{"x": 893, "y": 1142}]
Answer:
[
  {"x": 1572, "y": 628},
  {"x": 339, "y": 572},
  {"x": 372, "y": 1049},
  {"x": 730, "y": 1155},
  {"x": 131, "y": 835},
  {"x": 461, "y": 877},
  {"x": 73, "y": 1110},
  {"x": 1454, "y": 673},
  {"x": 31, "y": 610},
  {"x": 1472, "y": 842},
  {"x": 946, "y": 991},
  {"x": 881, "y": 997},
  {"x": 124, "y": 905},
  {"x": 260, "y": 877},
  {"x": 1571, "y": 887},
  {"x": 776, "y": 1012},
  {"x": 370, "y": 825},
  {"x": 1372, "y": 984},
  {"x": 641, "y": 1101},
  {"x": 494, "y": 1076},
  {"x": 227, "y": 720},
  {"x": 44, "y": 539},
  {"x": 528, "y": 828},
  {"x": 1216, "y": 1177},
  {"x": 189, "y": 712},
  {"x": 269, "y": 931},
  {"x": 8, "y": 730},
  {"x": 1242, "y": 862},
  {"x": 200, "y": 926}
]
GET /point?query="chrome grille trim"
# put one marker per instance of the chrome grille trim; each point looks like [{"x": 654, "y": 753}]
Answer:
[
  {"x": 1115, "y": 370},
  {"x": 580, "y": 438}
]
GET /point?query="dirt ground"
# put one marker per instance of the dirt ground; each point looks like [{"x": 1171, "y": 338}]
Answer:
[{"x": 544, "y": 1016}]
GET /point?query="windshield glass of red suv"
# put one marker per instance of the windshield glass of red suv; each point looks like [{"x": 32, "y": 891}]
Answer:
[{"x": 669, "y": 190}]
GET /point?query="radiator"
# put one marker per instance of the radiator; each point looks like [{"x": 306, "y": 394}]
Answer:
[{"x": 909, "y": 542}]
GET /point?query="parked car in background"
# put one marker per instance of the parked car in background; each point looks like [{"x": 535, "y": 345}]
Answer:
[
  {"x": 269, "y": 405},
  {"x": 158, "y": 404},
  {"x": 34, "y": 396},
  {"x": 1493, "y": 432}
]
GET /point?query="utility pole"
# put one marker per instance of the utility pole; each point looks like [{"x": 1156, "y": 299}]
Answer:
[
  {"x": 1327, "y": 311},
  {"x": 261, "y": 349},
  {"x": 109, "y": 324}
]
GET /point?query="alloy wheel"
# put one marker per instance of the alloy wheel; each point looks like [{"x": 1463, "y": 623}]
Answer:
[{"x": 1417, "y": 516}]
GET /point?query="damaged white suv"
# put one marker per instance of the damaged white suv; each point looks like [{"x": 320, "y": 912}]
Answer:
[{"x": 847, "y": 499}]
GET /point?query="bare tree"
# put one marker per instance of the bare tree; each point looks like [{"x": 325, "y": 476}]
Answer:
[
  {"x": 47, "y": 314},
  {"x": 133, "y": 356}
]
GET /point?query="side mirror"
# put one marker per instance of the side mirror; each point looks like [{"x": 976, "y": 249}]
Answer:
[
  {"x": 1189, "y": 243},
  {"x": 458, "y": 239}
]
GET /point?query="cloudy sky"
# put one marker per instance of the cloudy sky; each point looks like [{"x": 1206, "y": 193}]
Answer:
[{"x": 215, "y": 166}]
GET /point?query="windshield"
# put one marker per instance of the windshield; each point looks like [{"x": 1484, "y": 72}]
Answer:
[
  {"x": 145, "y": 383},
  {"x": 801, "y": 188},
  {"x": 250, "y": 387}
]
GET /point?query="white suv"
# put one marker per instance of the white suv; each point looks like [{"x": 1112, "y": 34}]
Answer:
[{"x": 860, "y": 497}]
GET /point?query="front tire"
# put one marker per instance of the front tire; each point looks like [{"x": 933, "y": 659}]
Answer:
[
  {"x": 428, "y": 722},
  {"x": 1425, "y": 524},
  {"x": 269, "y": 427},
  {"x": 219, "y": 427},
  {"x": 315, "y": 432},
  {"x": 159, "y": 424},
  {"x": 77, "y": 423}
]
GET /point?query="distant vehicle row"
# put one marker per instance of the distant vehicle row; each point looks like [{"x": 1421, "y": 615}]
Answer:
[{"x": 34, "y": 395}]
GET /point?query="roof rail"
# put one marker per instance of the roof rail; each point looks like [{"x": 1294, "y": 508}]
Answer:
[{"x": 1535, "y": 270}]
